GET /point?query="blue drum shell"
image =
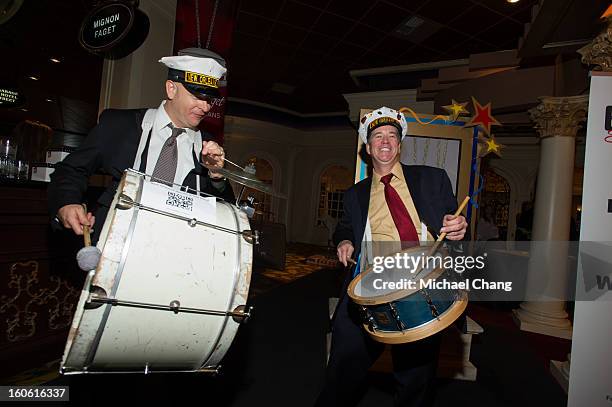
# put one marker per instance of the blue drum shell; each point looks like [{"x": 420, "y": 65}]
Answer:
[{"x": 413, "y": 310}]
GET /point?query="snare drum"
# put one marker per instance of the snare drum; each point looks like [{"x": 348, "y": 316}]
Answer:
[
  {"x": 170, "y": 289},
  {"x": 399, "y": 315}
]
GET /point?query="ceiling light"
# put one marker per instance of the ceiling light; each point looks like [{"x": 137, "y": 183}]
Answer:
[
  {"x": 23, "y": 109},
  {"x": 34, "y": 78},
  {"x": 55, "y": 60},
  {"x": 49, "y": 100},
  {"x": 410, "y": 24},
  {"x": 513, "y": 1}
]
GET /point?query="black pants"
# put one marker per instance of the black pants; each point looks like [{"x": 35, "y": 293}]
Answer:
[{"x": 353, "y": 352}]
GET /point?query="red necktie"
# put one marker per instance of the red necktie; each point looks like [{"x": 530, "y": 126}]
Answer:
[{"x": 400, "y": 215}]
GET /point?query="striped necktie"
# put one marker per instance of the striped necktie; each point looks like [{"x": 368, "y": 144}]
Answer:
[{"x": 165, "y": 168}]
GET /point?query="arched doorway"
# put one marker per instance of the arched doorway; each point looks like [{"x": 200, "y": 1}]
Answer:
[
  {"x": 333, "y": 182},
  {"x": 496, "y": 195}
]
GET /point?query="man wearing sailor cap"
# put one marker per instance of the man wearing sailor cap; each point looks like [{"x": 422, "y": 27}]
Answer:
[
  {"x": 398, "y": 203},
  {"x": 163, "y": 142}
]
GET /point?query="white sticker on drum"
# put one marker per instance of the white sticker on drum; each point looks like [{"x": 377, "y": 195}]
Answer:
[{"x": 164, "y": 198}]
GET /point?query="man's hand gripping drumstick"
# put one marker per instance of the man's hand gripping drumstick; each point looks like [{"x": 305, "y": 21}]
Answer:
[
  {"x": 213, "y": 156},
  {"x": 89, "y": 256}
]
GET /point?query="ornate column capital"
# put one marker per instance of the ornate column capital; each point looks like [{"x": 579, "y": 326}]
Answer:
[
  {"x": 559, "y": 116},
  {"x": 598, "y": 53}
]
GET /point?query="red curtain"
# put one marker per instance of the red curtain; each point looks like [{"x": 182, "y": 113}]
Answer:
[{"x": 220, "y": 41}]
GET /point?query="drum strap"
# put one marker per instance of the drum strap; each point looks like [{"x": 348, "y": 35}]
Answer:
[
  {"x": 366, "y": 245},
  {"x": 357, "y": 266},
  {"x": 143, "y": 157},
  {"x": 145, "y": 137},
  {"x": 140, "y": 160}
]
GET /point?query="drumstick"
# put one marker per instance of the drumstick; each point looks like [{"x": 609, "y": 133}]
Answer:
[
  {"x": 229, "y": 161},
  {"x": 86, "y": 231},
  {"x": 443, "y": 235},
  {"x": 89, "y": 256},
  {"x": 233, "y": 163},
  {"x": 434, "y": 248}
]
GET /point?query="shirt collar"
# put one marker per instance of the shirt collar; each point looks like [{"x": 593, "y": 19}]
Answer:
[
  {"x": 397, "y": 171},
  {"x": 162, "y": 120}
]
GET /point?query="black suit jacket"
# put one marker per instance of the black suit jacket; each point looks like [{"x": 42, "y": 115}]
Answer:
[
  {"x": 431, "y": 192},
  {"x": 111, "y": 148}
]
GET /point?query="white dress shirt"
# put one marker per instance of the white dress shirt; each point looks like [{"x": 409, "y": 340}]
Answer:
[{"x": 188, "y": 142}]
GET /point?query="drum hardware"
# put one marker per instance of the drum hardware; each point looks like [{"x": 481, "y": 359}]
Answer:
[
  {"x": 398, "y": 320},
  {"x": 98, "y": 292},
  {"x": 247, "y": 207},
  {"x": 125, "y": 202},
  {"x": 371, "y": 323},
  {"x": 212, "y": 370},
  {"x": 368, "y": 318},
  {"x": 249, "y": 210},
  {"x": 432, "y": 306},
  {"x": 174, "y": 306},
  {"x": 246, "y": 314},
  {"x": 251, "y": 236}
]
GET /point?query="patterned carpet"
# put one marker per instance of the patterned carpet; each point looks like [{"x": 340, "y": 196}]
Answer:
[{"x": 300, "y": 260}]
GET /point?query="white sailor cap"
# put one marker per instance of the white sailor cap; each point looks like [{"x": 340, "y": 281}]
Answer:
[
  {"x": 381, "y": 117},
  {"x": 199, "y": 75}
]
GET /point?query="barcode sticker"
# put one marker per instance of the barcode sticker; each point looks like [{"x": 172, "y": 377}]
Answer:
[
  {"x": 167, "y": 199},
  {"x": 180, "y": 201}
]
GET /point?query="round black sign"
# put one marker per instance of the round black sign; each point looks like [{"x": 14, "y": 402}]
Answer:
[{"x": 106, "y": 26}]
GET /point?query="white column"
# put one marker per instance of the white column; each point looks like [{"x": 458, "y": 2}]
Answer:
[
  {"x": 557, "y": 121},
  {"x": 137, "y": 80}
]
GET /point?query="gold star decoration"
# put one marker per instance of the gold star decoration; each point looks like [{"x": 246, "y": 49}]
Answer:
[
  {"x": 455, "y": 109},
  {"x": 492, "y": 147}
]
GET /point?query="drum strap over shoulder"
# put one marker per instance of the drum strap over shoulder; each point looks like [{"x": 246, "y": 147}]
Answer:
[
  {"x": 145, "y": 136},
  {"x": 143, "y": 156},
  {"x": 366, "y": 252}
]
